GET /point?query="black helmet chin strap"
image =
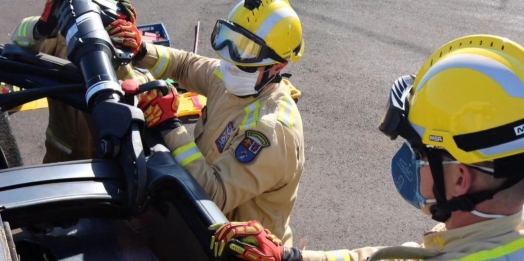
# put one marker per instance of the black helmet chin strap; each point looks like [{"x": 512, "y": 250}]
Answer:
[
  {"x": 439, "y": 190},
  {"x": 266, "y": 79},
  {"x": 441, "y": 211},
  {"x": 264, "y": 82}
]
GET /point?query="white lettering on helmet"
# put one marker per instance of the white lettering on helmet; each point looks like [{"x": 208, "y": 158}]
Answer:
[
  {"x": 436, "y": 138},
  {"x": 519, "y": 130}
]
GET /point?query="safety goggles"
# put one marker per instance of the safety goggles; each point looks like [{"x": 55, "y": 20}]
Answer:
[
  {"x": 394, "y": 122},
  {"x": 244, "y": 46}
]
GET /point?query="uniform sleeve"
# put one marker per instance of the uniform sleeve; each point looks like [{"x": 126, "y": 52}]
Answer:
[
  {"x": 361, "y": 254},
  {"x": 193, "y": 72},
  {"x": 127, "y": 72},
  {"x": 22, "y": 35},
  {"x": 239, "y": 174},
  {"x": 408, "y": 251}
]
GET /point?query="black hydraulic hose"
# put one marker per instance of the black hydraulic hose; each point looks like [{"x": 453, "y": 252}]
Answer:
[
  {"x": 40, "y": 87},
  {"x": 12, "y": 66},
  {"x": 11, "y": 100}
]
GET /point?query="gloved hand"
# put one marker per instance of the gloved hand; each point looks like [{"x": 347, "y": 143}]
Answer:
[
  {"x": 160, "y": 111},
  {"x": 124, "y": 34},
  {"x": 48, "y": 21},
  {"x": 128, "y": 12},
  {"x": 247, "y": 241}
]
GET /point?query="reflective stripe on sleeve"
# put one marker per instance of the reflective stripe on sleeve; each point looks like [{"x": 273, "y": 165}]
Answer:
[
  {"x": 218, "y": 74},
  {"x": 287, "y": 111},
  {"x": 187, "y": 154},
  {"x": 161, "y": 64},
  {"x": 511, "y": 251},
  {"x": 339, "y": 255},
  {"x": 251, "y": 118}
]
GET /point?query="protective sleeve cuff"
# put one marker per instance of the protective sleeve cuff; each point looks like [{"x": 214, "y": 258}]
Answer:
[
  {"x": 291, "y": 254},
  {"x": 168, "y": 126},
  {"x": 141, "y": 53},
  {"x": 147, "y": 56},
  {"x": 177, "y": 138}
]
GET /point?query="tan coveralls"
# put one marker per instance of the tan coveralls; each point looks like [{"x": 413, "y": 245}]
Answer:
[
  {"x": 70, "y": 133},
  {"x": 495, "y": 240},
  {"x": 248, "y": 154}
]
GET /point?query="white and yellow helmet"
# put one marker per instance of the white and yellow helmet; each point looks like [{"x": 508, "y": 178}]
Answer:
[{"x": 259, "y": 33}]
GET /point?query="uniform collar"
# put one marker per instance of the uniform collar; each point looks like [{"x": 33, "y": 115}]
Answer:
[{"x": 479, "y": 231}]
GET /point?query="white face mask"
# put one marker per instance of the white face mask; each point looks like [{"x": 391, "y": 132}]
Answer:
[{"x": 238, "y": 82}]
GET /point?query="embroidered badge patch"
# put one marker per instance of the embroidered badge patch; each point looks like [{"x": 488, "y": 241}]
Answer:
[
  {"x": 224, "y": 137},
  {"x": 250, "y": 146}
]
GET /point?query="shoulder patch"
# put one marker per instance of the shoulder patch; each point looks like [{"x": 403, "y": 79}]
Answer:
[
  {"x": 250, "y": 146},
  {"x": 224, "y": 137}
]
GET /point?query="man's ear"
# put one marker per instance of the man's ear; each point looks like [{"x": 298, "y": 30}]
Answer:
[{"x": 463, "y": 180}]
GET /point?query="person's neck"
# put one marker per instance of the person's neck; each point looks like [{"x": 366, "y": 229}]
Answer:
[{"x": 460, "y": 219}]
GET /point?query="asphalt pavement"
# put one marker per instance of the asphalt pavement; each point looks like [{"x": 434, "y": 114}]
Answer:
[{"x": 354, "y": 52}]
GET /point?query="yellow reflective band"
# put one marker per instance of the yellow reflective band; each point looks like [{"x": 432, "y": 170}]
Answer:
[
  {"x": 251, "y": 118},
  {"x": 498, "y": 254},
  {"x": 22, "y": 30},
  {"x": 57, "y": 142},
  {"x": 339, "y": 255},
  {"x": 25, "y": 43},
  {"x": 161, "y": 64},
  {"x": 130, "y": 75},
  {"x": 287, "y": 111},
  {"x": 219, "y": 74},
  {"x": 187, "y": 154}
]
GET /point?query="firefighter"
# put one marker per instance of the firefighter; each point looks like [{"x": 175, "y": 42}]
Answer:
[
  {"x": 70, "y": 132},
  {"x": 248, "y": 146},
  {"x": 462, "y": 162}
]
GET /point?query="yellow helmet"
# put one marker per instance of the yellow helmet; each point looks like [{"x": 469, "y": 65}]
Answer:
[
  {"x": 259, "y": 33},
  {"x": 468, "y": 98},
  {"x": 467, "y": 102}
]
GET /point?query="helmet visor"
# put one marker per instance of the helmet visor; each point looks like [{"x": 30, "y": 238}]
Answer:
[{"x": 244, "y": 47}]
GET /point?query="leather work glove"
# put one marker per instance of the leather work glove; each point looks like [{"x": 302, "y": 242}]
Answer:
[
  {"x": 127, "y": 11},
  {"x": 160, "y": 111},
  {"x": 124, "y": 34},
  {"x": 249, "y": 241}
]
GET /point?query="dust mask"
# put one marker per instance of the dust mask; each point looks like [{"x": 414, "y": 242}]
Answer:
[{"x": 238, "y": 82}]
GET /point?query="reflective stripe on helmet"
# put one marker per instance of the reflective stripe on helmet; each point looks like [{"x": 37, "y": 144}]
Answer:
[
  {"x": 270, "y": 22},
  {"x": 500, "y": 73}
]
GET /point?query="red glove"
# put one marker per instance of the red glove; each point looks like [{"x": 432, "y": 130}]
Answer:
[
  {"x": 247, "y": 241},
  {"x": 157, "y": 108},
  {"x": 124, "y": 34},
  {"x": 128, "y": 12}
]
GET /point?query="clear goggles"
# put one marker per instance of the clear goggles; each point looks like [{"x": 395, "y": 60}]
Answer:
[{"x": 244, "y": 46}]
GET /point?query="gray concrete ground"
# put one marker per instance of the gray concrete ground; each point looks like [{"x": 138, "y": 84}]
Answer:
[{"x": 355, "y": 49}]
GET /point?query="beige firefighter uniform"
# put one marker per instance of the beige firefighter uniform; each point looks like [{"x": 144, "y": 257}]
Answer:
[
  {"x": 248, "y": 154},
  {"x": 495, "y": 240},
  {"x": 69, "y": 135}
]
